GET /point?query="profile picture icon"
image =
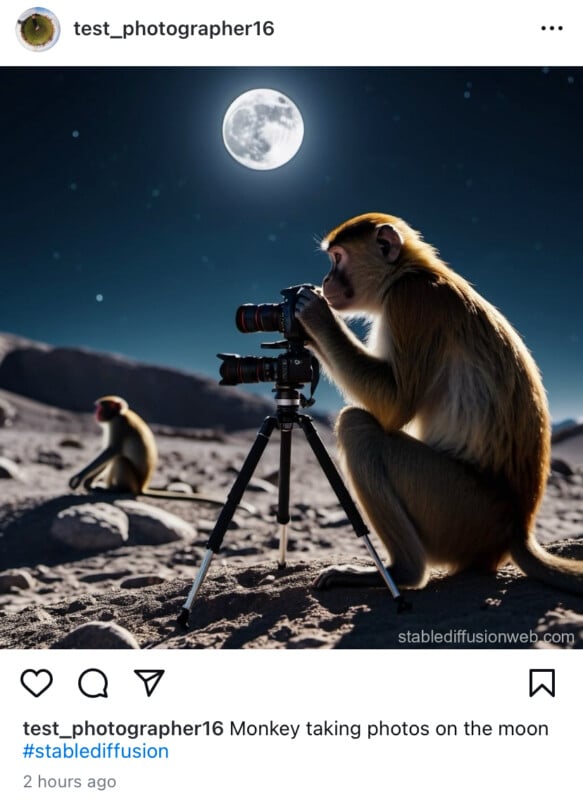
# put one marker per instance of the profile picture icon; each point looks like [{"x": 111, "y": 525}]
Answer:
[{"x": 38, "y": 29}]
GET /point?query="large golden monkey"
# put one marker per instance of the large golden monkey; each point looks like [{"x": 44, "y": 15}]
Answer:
[{"x": 447, "y": 445}]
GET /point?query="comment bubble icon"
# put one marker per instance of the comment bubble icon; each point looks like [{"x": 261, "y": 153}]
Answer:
[{"x": 93, "y": 683}]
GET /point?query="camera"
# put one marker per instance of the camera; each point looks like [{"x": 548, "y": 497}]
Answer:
[
  {"x": 296, "y": 366},
  {"x": 251, "y": 318},
  {"x": 287, "y": 369}
]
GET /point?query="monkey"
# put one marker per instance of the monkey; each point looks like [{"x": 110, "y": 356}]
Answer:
[
  {"x": 129, "y": 456},
  {"x": 446, "y": 441}
]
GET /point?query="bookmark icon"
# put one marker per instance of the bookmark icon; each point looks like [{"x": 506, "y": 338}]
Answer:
[{"x": 541, "y": 679}]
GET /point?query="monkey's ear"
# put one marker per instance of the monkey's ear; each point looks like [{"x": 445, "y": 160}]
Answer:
[{"x": 390, "y": 242}]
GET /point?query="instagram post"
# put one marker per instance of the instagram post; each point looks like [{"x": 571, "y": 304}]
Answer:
[{"x": 290, "y": 395}]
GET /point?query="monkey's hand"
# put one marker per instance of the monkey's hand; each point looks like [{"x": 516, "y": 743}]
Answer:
[
  {"x": 75, "y": 482},
  {"x": 314, "y": 314}
]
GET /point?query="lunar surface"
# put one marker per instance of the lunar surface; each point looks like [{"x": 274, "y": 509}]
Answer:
[
  {"x": 263, "y": 129},
  {"x": 93, "y": 571}
]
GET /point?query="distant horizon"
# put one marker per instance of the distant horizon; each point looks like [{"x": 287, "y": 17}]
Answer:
[{"x": 263, "y": 389}]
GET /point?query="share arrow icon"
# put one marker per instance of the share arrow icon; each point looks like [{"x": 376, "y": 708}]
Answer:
[{"x": 151, "y": 678}]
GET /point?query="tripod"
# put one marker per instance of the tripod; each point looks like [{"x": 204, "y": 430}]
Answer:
[{"x": 287, "y": 400}]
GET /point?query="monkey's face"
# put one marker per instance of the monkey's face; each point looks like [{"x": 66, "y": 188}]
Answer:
[
  {"x": 337, "y": 285},
  {"x": 362, "y": 263},
  {"x": 106, "y": 408}
]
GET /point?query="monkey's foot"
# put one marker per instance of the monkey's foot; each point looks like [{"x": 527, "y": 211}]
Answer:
[{"x": 348, "y": 575}]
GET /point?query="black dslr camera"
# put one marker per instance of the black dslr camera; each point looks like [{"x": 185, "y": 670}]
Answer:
[
  {"x": 251, "y": 318},
  {"x": 296, "y": 366}
]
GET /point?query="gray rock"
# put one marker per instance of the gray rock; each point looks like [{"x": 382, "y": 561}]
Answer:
[
  {"x": 139, "y": 581},
  {"x": 7, "y": 413},
  {"x": 151, "y": 525},
  {"x": 561, "y": 467},
  {"x": 260, "y": 485},
  {"x": 51, "y": 458},
  {"x": 180, "y": 486},
  {"x": 97, "y": 636},
  {"x": 72, "y": 442},
  {"x": 15, "y": 579},
  {"x": 10, "y": 470},
  {"x": 91, "y": 526}
]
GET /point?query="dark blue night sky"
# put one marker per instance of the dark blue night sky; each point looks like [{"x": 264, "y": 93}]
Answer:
[{"x": 127, "y": 227}]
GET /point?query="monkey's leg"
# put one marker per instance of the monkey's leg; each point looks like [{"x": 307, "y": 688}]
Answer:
[
  {"x": 363, "y": 454},
  {"x": 123, "y": 477},
  {"x": 347, "y": 503},
  {"x": 425, "y": 506},
  {"x": 97, "y": 482}
]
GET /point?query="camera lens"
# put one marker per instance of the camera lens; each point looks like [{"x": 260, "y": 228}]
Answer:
[
  {"x": 251, "y": 318},
  {"x": 247, "y": 369}
]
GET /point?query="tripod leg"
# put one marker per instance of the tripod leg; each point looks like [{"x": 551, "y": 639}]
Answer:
[
  {"x": 283, "y": 503},
  {"x": 227, "y": 512},
  {"x": 194, "y": 589},
  {"x": 347, "y": 502}
]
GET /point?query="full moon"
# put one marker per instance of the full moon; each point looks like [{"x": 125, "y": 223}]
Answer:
[{"x": 263, "y": 129}]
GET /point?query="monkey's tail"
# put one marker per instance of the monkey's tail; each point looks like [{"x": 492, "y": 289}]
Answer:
[
  {"x": 536, "y": 562},
  {"x": 194, "y": 497}
]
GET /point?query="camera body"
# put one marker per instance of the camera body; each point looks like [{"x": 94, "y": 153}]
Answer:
[
  {"x": 287, "y": 369},
  {"x": 295, "y": 367},
  {"x": 251, "y": 318}
]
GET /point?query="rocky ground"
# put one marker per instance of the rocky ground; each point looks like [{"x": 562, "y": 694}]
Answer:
[{"x": 138, "y": 578}]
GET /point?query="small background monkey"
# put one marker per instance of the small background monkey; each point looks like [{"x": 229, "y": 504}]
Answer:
[
  {"x": 129, "y": 454},
  {"x": 128, "y": 459},
  {"x": 447, "y": 445}
]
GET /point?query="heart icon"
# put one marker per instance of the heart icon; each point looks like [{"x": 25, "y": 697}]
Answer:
[{"x": 36, "y": 681}]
